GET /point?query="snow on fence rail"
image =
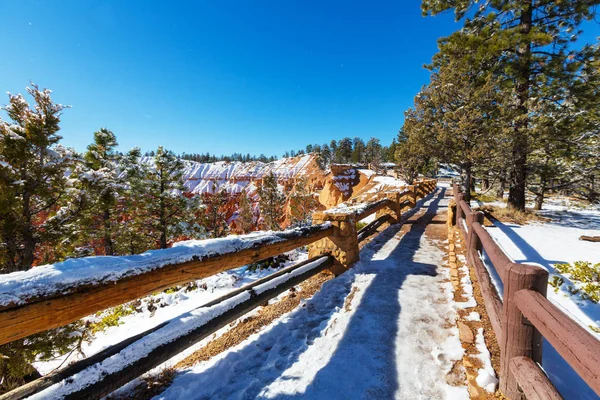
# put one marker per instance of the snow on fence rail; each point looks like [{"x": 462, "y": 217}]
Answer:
[
  {"x": 523, "y": 316},
  {"x": 54, "y": 295}
]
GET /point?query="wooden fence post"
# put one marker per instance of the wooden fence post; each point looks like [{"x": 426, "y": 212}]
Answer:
[
  {"x": 519, "y": 337},
  {"x": 459, "y": 211},
  {"x": 473, "y": 242},
  {"x": 342, "y": 244}
]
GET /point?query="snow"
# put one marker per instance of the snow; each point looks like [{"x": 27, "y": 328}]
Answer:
[
  {"x": 473, "y": 316},
  {"x": 367, "y": 172},
  {"x": 486, "y": 376},
  {"x": 52, "y": 279},
  {"x": 544, "y": 245},
  {"x": 234, "y": 176},
  {"x": 166, "y": 306},
  {"x": 176, "y": 328},
  {"x": 380, "y": 330}
]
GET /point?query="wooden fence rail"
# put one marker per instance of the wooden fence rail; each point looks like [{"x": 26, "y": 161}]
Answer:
[
  {"x": 523, "y": 315},
  {"x": 333, "y": 244}
]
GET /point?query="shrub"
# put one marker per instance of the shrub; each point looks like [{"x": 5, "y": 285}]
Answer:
[
  {"x": 360, "y": 225},
  {"x": 271, "y": 262},
  {"x": 586, "y": 275}
]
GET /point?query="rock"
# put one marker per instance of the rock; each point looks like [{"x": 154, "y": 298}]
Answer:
[{"x": 465, "y": 333}]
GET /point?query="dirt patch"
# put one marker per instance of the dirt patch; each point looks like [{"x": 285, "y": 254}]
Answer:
[
  {"x": 471, "y": 363},
  {"x": 240, "y": 331}
]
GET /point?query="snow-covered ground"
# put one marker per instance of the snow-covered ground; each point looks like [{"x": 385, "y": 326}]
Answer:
[
  {"x": 547, "y": 244},
  {"x": 384, "y": 329}
]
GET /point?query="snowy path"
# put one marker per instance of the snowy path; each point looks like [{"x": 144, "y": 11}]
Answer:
[{"x": 384, "y": 329}]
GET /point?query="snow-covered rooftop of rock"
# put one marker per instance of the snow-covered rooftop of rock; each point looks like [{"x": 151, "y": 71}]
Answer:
[
  {"x": 201, "y": 177},
  {"x": 52, "y": 279}
]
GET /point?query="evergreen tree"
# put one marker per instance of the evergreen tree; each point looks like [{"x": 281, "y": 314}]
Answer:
[
  {"x": 373, "y": 151},
  {"x": 100, "y": 178},
  {"x": 410, "y": 156},
  {"x": 245, "y": 216},
  {"x": 302, "y": 203},
  {"x": 36, "y": 202},
  {"x": 271, "y": 202},
  {"x": 215, "y": 212},
  {"x": 358, "y": 152},
  {"x": 169, "y": 214},
  {"x": 37, "y": 206},
  {"x": 325, "y": 156},
  {"x": 133, "y": 233},
  {"x": 343, "y": 152},
  {"x": 533, "y": 42}
]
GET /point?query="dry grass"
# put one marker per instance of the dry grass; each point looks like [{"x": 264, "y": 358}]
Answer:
[
  {"x": 149, "y": 387},
  {"x": 511, "y": 215}
]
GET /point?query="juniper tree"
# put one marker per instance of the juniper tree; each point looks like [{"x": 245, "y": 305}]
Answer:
[
  {"x": 271, "y": 202},
  {"x": 532, "y": 40}
]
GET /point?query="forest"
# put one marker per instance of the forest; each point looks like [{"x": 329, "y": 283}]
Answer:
[{"x": 512, "y": 101}]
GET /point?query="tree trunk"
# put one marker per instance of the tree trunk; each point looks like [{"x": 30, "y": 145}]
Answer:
[
  {"x": 28, "y": 238},
  {"x": 162, "y": 217},
  {"x": 500, "y": 191},
  {"x": 108, "y": 243},
  {"x": 485, "y": 184},
  {"x": 468, "y": 183},
  {"x": 518, "y": 170}
]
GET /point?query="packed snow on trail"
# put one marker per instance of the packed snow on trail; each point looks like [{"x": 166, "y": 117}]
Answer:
[{"x": 383, "y": 329}]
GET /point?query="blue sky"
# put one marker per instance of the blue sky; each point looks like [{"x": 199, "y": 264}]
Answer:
[{"x": 221, "y": 76}]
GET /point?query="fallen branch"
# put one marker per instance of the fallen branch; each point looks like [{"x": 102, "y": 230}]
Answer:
[{"x": 590, "y": 238}]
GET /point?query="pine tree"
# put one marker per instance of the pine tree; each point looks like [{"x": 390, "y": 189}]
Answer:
[
  {"x": 373, "y": 151},
  {"x": 411, "y": 155},
  {"x": 343, "y": 152},
  {"x": 215, "y": 212},
  {"x": 245, "y": 216},
  {"x": 533, "y": 41},
  {"x": 37, "y": 205},
  {"x": 169, "y": 214},
  {"x": 271, "y": 202},
  {"x": 35, "y": 198},
  {"x": 133, "y": 233},
  {"x": 100, "y": 178},
  {"x": 302, "y": 203},
  {"x": 358, "y": 152}
]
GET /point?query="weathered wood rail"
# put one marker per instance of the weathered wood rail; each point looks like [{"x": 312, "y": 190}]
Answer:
[
  {"x": 523, "y": 315},
  {"x": 333, "y": 244}
]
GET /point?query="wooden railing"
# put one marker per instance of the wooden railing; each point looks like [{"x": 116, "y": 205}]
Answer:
[
  {"x": 333, "y": 244},
  {"x": 523, "y": 316}
]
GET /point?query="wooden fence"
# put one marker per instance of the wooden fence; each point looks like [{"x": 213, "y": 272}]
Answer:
[
  {"x": 333, "y": 244},
  {"x": 523, "y": 315}
]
